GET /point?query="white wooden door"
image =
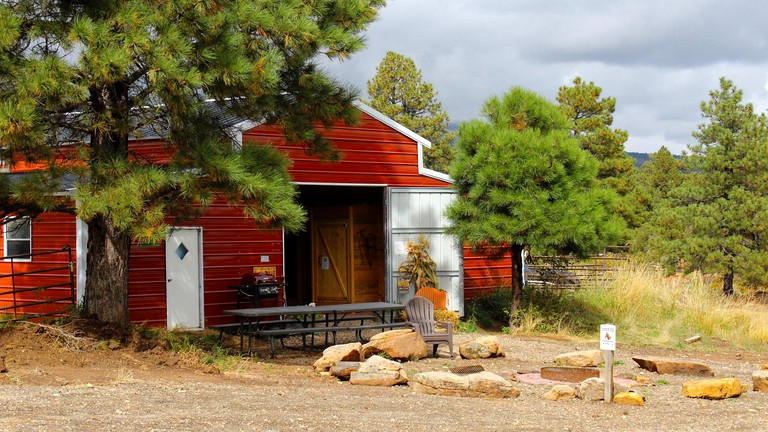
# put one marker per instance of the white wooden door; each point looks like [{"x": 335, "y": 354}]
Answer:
[
  {"x": 414, "y": 211},
  {"x": 184, "y": 277}
]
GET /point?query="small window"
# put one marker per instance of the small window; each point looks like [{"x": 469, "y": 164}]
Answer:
[{"x": 17, "y": 238}]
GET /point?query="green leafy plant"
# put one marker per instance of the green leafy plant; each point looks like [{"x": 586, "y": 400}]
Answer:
[{"x": 419, "y": 269}]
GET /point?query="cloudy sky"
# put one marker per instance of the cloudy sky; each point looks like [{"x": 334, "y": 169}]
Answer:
[{"x": 658, "y": 58}]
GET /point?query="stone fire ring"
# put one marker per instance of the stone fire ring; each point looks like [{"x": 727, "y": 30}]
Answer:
[{"x": 569, "y": 373}]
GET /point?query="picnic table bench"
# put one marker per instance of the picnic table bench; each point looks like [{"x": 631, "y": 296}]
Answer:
[{"x": 312, "y": 320}]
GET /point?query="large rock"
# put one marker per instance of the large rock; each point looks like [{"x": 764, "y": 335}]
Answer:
[
  {"x": 593, "y": 389},
  {"x": 380, "y": 372},
  {"x": 561, "y": 392},
  {"x": 402, "y": 344},
  {"x": 343, "y": 369},
  {"x": 338, "y": 353},
  {"x": 672, "y": 366},
  {"x": 580, "y": 358},
  {"x": 482, "y": 347},
  {"x": 714, "y": 388},
  {"x": 760, "y": 380},
  {"x": 482, "y": 384}
]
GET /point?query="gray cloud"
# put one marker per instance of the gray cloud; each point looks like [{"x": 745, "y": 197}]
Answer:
[{"x": 659, "y": 59}]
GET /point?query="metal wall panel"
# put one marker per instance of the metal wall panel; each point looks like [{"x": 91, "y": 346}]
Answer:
[{"x": 415, "y": 211}]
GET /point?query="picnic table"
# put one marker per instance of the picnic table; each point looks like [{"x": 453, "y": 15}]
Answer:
[{"x": 307, "y": 320}]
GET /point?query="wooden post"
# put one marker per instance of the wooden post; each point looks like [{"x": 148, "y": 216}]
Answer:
[
  {"x": 608, "y": 345},
  {"x": 608, "y": 354}
]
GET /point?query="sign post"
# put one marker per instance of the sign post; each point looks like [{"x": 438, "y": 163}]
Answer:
[{"x": 608, "y": 346}]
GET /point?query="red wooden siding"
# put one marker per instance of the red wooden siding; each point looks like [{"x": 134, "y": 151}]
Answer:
[
  {"x": 232, "y": 245},
  {"x": 50, "y": 231},
  {"x": 372, "y": 153},
  {"x": 482, "y": 274}
]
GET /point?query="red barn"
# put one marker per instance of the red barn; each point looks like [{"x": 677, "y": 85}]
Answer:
[{"x": 362, "y": 211}]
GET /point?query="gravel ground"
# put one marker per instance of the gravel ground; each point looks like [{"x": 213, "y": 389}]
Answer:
[{"x": 49, "y": 387}]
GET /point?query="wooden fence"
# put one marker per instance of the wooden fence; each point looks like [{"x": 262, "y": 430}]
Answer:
[{"x": 563, "y": 272}]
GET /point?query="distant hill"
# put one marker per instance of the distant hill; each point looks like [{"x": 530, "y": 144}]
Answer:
[{"x": 640, "y": 158}]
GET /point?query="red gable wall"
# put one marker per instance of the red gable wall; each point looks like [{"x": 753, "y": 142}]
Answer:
[{"x": 372, "y": 153}]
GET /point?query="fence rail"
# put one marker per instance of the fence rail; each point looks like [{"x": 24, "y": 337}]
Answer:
[
  {"x": 27, "y": 297},
  {"x": 560, "y": 272}
]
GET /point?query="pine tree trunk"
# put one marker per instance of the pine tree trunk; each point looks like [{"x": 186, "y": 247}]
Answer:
[
  {"x": 517, "y": 281},
  {"x": 728, "y": 283},
  {"x": 106, "y": 288}
]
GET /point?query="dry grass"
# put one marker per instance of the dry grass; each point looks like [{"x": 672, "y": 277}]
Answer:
[{"x": 651, "y": 309}]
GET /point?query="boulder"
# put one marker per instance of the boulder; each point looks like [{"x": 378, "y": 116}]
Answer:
[
  {"x": 593, "y": 389},
  {"x": 629, "y": 398},
  {"x": 402, "y": 344},
  {"x": 338, "y": 353},
  {"x": 580, "y": 358},
  {"x": 343, "y": 369},
  {"x": 482, "y": 347},
  {"x": 714, "y": 388},
  {"x": 760, "y": 380},
  {"x": 380, "y": 372},
  {"x": 561, "y": 392},
  {"x": 482, "y": 384},
  {"x": 3, "y": 367},
  {"x": 672, "y": 366}
]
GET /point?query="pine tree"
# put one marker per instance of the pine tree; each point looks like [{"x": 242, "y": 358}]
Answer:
[
  {"x": 592, "y": 116},
  {"x": 656, "y": 179},
  {"x": 397, "y": 91},
  {"x": 79, "y": 78},
  {"x": 717, "y": 220},
  {"x": 523, "y": 181}
]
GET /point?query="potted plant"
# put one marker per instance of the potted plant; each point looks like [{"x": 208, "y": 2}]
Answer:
[{"x": 420, "y": 270}]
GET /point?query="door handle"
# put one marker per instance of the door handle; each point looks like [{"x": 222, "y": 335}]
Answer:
[{"x": 170, "y": 280}]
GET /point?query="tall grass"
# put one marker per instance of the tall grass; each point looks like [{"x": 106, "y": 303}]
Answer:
[
  {"x": 649, "y": 308},
  {"x": 646, "y": 307}
]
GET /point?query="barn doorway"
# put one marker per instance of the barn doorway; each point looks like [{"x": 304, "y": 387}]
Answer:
[{"x": 340, "y": 256}]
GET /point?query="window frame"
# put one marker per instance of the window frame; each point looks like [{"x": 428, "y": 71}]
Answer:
[{"x": 6, "y": 239}]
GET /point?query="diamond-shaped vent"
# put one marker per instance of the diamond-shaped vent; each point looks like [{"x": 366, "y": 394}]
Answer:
[{"x": 181, "y": 251}]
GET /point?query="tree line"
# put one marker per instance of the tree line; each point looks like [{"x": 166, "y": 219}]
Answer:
[{"x": 555, "y": 177}]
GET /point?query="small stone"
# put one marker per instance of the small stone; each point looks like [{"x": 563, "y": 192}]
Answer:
[
  {"x": 629, "y": 398},
  {"x": 338, "y": 353},
  {"x": 581, "y": 358},
  {"x": 760, "y": 380},
  {"x": 561, "y": 392},
  {"x": 482, "y": 347},
  {"x": 645, "y": 381},
  {"x": 764, "y": 367},
  {"x": 343, "y": 370},
  {"x": 714, "y": 388},
  {"x": 692, "y": 339},
  {"x": 593, "y": 389}
]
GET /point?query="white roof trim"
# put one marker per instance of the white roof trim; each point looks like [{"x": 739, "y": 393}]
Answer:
[
  {"x": 435, "y": 174},
  {"x": 393, "y": 124},
  {"x": 420, "y": 140}
]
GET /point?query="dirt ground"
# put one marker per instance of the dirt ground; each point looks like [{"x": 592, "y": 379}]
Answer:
[{"x": 94, "y": 383}]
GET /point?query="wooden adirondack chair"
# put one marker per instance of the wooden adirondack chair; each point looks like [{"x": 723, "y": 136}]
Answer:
[{"x": 421, "y": 317}]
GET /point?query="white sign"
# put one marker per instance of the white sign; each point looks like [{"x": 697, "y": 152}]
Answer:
[{"x": 608, "y": 337}]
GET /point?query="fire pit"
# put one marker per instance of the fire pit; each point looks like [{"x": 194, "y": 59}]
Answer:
[{"x": 569, "y": 373}]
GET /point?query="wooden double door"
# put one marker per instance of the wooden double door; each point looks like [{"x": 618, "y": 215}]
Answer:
[{"x": 347, "y": 254}]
